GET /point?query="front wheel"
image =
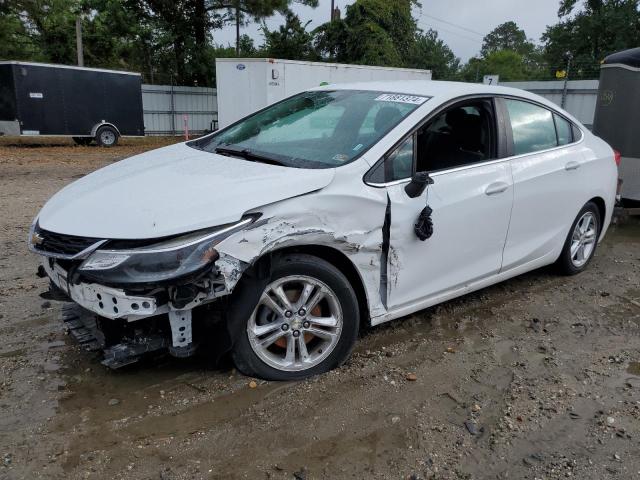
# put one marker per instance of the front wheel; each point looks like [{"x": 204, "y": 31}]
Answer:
[
  {"x": 305, "y": 321},
  {"x": 581, "y": 242}
]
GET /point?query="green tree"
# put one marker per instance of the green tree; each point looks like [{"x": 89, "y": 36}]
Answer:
[
  {"x": 248, "y": 49},
  {"x": 48, "y": 28},
  {"x": 291, "y": 40},
  {"x": 507, "y": 36},
  {"x": 507, "y": 52},
  {"x": 182, "y": 30},
  {"x": 373, "y": 32},
  {"x": 431, "y": 53},
  {"x": 114, "y": 38},
  {"x": 510, "y": 65},
  {"x": 588, "y": 31},
  {"x": 179, "y": 33},
  {"x": 241, "y": 12},
  {"x": 15, "y": 41}
]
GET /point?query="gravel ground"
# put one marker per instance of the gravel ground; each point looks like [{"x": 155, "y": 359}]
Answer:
[{"x": 535, "y": 378}]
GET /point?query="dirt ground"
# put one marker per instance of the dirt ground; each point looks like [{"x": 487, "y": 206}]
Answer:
[{"x": 535, "y": 378}]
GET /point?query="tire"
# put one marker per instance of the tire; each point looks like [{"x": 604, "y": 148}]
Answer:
[
  {"x": 83, "y": 141},
  {"x": 107, "y": 136},
  {"x": 571, "y": 262},
  {"x": 326, "y": 351}
]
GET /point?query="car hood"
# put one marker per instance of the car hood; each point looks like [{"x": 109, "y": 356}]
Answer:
[{"x": 172, "y": 190}]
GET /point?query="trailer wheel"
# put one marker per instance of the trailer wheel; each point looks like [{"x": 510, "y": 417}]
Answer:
[
  {"x": 107, "y": 136},
  {"x": 84, "y": 141}
]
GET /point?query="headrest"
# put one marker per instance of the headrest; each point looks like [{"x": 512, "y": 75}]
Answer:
[
  {"x": 385, "y": 118},
  {"x": 457, "y": 118}
]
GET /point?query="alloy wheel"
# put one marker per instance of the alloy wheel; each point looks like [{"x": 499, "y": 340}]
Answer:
[
  {"x": 296, "y": 324},
  {"x": 583, "y": 239}
]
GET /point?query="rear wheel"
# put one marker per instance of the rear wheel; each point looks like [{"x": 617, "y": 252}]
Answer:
[
  {"x": 581, "y": 242},
  {"x": 107, "y": 136},
  {"x": 305, "y": 321}
]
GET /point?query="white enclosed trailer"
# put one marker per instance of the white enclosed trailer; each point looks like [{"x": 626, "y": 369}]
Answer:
[{"x": 246, "y": 85}]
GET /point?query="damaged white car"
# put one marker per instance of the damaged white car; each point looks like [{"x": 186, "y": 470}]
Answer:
[{"x": 281, "y": 235}]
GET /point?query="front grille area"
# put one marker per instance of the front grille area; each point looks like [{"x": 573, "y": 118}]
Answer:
[{"x": 60, "y": 244}]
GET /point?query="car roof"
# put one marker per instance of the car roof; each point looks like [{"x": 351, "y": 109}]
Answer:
[
  {"x": 441, "y": 91},
  {"x": 429, "y": 88}
]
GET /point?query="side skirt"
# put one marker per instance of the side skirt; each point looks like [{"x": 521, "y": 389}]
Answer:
[{"x": 459, "y": 291}]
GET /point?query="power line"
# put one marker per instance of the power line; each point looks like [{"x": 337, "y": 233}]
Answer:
[
  {"x": 475, "y": 32},
  {"x": 440, "y": 29}
]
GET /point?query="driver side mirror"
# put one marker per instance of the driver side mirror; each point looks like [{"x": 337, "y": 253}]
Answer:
[{"x": 419, "y": 182}]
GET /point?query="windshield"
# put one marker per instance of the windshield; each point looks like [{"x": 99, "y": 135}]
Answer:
[{"x": 321, "y": 129}]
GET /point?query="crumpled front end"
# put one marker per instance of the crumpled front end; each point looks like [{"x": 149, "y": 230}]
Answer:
[
  {"x": 118, "y": 283},
  {"x": 179, "y": 285}
]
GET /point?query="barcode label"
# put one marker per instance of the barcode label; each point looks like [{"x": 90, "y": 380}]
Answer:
[{"x": 394, "y": 97}]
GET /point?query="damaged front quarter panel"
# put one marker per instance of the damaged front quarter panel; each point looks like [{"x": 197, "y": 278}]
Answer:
[
  {"x": 334, "y": 217},
  {"x": 230, "y": 269}
]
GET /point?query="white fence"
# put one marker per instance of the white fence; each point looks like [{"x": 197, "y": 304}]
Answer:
[
  {"x": 580, "y": 100},
  {"x": 168, "y": 108}
]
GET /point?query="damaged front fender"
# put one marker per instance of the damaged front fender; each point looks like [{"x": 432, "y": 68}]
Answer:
[{"x": 330, "y": 218}]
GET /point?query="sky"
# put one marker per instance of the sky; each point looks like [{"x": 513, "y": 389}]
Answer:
[{"x": 472, "y": 18}]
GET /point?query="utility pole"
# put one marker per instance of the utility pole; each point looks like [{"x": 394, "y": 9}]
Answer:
[
  {"x": 335, "y": 11},
  {"x": 237, "y": 28},
  {"x": 79, "y": 41},
  {"x": 566, "y": 82}
]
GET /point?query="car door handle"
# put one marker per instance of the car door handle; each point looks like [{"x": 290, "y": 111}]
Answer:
[
  {"x": 495, "y": 188},
  {"x": 572, "y": 165}
]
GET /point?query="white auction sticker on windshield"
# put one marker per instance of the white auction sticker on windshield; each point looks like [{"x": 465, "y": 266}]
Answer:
[{"x": 395, "y": 97}]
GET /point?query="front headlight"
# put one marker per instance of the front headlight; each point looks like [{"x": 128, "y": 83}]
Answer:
[{"x": 166, "y": 260}]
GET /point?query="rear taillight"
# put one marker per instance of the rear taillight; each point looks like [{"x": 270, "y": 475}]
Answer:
[{"x": 617, "y": 157}]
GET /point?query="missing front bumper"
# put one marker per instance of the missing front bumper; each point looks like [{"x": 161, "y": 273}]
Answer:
[
  {"x": 139, "y": 324},
  {"x": 105, "y": 301}
]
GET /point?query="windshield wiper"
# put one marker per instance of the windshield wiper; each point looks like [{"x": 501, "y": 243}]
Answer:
[{"x": 247, "y": 154}]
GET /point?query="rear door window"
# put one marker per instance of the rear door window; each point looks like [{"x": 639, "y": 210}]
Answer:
[{"x": 532, "y": 126}]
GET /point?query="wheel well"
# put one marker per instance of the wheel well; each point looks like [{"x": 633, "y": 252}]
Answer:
[
  {"x": 342, "y": 263},
  {"x": 602, "y": 209},
  {"x": 96, "y": 127}
]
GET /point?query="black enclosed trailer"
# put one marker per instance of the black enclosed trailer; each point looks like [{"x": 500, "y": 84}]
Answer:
[
  {"x": 83, "y": 103},
  {"x": 617, "y": 116}
]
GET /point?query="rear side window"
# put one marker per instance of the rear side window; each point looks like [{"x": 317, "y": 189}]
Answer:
[
  {"x": 565, "y": 135},
  {"x": 577, "y": 133},
  {"x": 533, "y": 127}
]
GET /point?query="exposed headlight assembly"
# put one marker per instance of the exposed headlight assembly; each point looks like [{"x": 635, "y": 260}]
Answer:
[{"x": 165, "y": 260}]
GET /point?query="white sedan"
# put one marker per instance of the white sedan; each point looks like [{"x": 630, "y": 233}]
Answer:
[{"x": 279, "y": 236}]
